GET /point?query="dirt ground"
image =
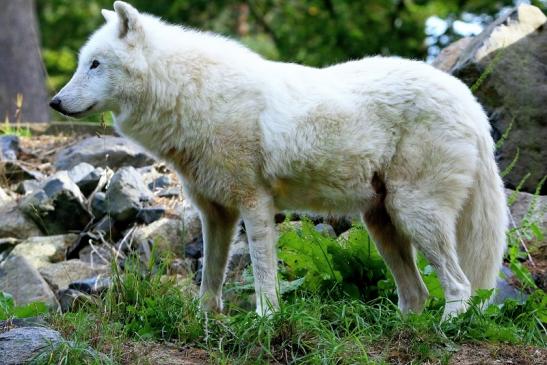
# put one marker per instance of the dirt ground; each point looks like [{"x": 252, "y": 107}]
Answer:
[{"x": 145, "y": 353}]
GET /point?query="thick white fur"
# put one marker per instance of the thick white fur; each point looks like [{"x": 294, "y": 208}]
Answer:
[{"x": 402, "y": 143}]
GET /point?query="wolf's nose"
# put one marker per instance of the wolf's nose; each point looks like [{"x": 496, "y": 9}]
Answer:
[{"x": 55, "y": 103}]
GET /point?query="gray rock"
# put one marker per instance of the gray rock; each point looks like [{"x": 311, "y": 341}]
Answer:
[
  {"x": 182, "y": 266},
  {"x": 86, "y": 177},
  {"x": 23, "y": 322},
  {"x": 97, "y": 255},
  {"x": 149, "y": 215},
  {"x": 98, "y": 205},
  {"x": 194, "y": 249},
  {"x": 173, "y": 192},
  {"x": 95, "y": 285},
  {"x": 6, "y": 246},
  {"x": 27, "y": 186},
  {"x": 239, "y": 258},
  {"x": 125, "y": 194},
  {"x": 325, "y": 229},
  {"x": 514, "y": 49},
  {"x": 505, "y": 290},
  {"x": 71, "y": 299},
  {"x": 162, "y": 181},
  {"x": 166, "y": 235},
  {"x": 19, "y": 278},
  {"x": 58, "y": 207},
  {"x": 527, "y": 205},
  {"x": 14, "y": 223},
  {"x": 43, "y": 250},
  {"x": 59, "y": 275},
  {"x": 20, "y": 346},
  {"x": 104, "y": 151},
  {"x": 191, "y": 221},
  {"x": 9, "y": 147}
]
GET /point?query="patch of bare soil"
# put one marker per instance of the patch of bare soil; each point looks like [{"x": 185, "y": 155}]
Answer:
[
  {"x": 38, "y": 152},
  {"x": 486, "y": 354},
  {"x": 153, "y": 353}
]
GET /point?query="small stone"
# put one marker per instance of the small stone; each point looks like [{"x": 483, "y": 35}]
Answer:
[
  {"x": 182, "y": 266},
  {"x": 9, "y": 147},
  {"x": 325, "y": 229},
  {"x": 169, "y": 193},
  {"x": 98, "y": 205},
  {"x": 191, "y": 221},
  {"x": 26, "y": 187},
  {"x": 43, "y": 250},
  {"x": 19, "y": 278},
  {"x": 166, "y": 234},
  {"x": 21, "y": 345},
  {"x": 149, "y": 215},
  {"x": 59, "y": 275},
  {"x": 97, "y": 254},
  {"x": 86, "y": 177},
  {"x": 162, "y": 181},
  {"x": 125, "y": 194},
  {"x": 14, "y": 223},
  {"x": 194, "y": 249},
  {"x": 58, "y": 207},
  {"x": 505, "y": 290},
  {"x": 239, "y": 257},
  {"x": 95, "y": 285},
  {"x": 71, "y": 300}
]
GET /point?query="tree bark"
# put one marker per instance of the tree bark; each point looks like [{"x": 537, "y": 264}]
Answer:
[{"x": 21, "y": 68}]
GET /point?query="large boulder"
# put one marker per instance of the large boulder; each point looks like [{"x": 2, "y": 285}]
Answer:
[
  {"x": 20, "y": 278},
  {"x": 57, "y": 207},
  {"x": 104, "y": 151},
  {"x": 20, "y": 346},
  {"x": 510, "y": 58}
]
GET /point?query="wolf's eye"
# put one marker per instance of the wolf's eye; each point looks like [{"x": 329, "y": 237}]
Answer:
[{"x": 94, "y": 64}]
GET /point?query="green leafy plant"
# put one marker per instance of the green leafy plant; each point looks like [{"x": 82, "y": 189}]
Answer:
[
  {"x": 348, "y": 265},
  {"x": 8, "y": 308}
]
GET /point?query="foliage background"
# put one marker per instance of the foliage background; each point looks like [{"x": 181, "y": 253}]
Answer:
[{"x": 312, "y": 32}]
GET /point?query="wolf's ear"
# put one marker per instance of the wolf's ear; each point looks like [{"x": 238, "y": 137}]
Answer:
[
  {"x": 129, "y": 23},
  {"x": 108, "y": 15}
]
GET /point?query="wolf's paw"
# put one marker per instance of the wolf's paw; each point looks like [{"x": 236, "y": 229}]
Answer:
[
  {"x": 211, "y": 303},
  {"x": 453, "y": 309}
]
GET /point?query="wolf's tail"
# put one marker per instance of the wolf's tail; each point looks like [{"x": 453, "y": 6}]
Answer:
[{"x": 483, "y": 220}]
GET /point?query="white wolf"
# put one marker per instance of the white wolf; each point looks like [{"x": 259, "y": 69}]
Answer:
[{"x": 405, "y": 145}]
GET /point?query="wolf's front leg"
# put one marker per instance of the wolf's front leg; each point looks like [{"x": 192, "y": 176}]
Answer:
[
  {"x": 218, "y": 225},
  {"x": 259, "y": 223}
]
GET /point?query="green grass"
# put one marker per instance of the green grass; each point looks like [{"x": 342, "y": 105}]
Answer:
[{"x": 309, "y": 328}]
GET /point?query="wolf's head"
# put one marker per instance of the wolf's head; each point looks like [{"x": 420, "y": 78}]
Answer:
[{"x": 111, "y": 66}]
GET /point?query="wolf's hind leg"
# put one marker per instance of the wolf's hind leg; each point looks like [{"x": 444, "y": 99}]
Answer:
[
  {"x": 430, "y": 224},
  {"x": 399, "y": 256}
]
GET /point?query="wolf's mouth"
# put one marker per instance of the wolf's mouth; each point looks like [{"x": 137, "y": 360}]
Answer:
[{"x": 80, "y": 113}]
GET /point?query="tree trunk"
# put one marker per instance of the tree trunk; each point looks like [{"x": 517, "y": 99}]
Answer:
[{"x": 21, "y": 70}]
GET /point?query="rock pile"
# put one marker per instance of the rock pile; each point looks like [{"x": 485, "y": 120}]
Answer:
[{"x": 506, "y": 64}]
